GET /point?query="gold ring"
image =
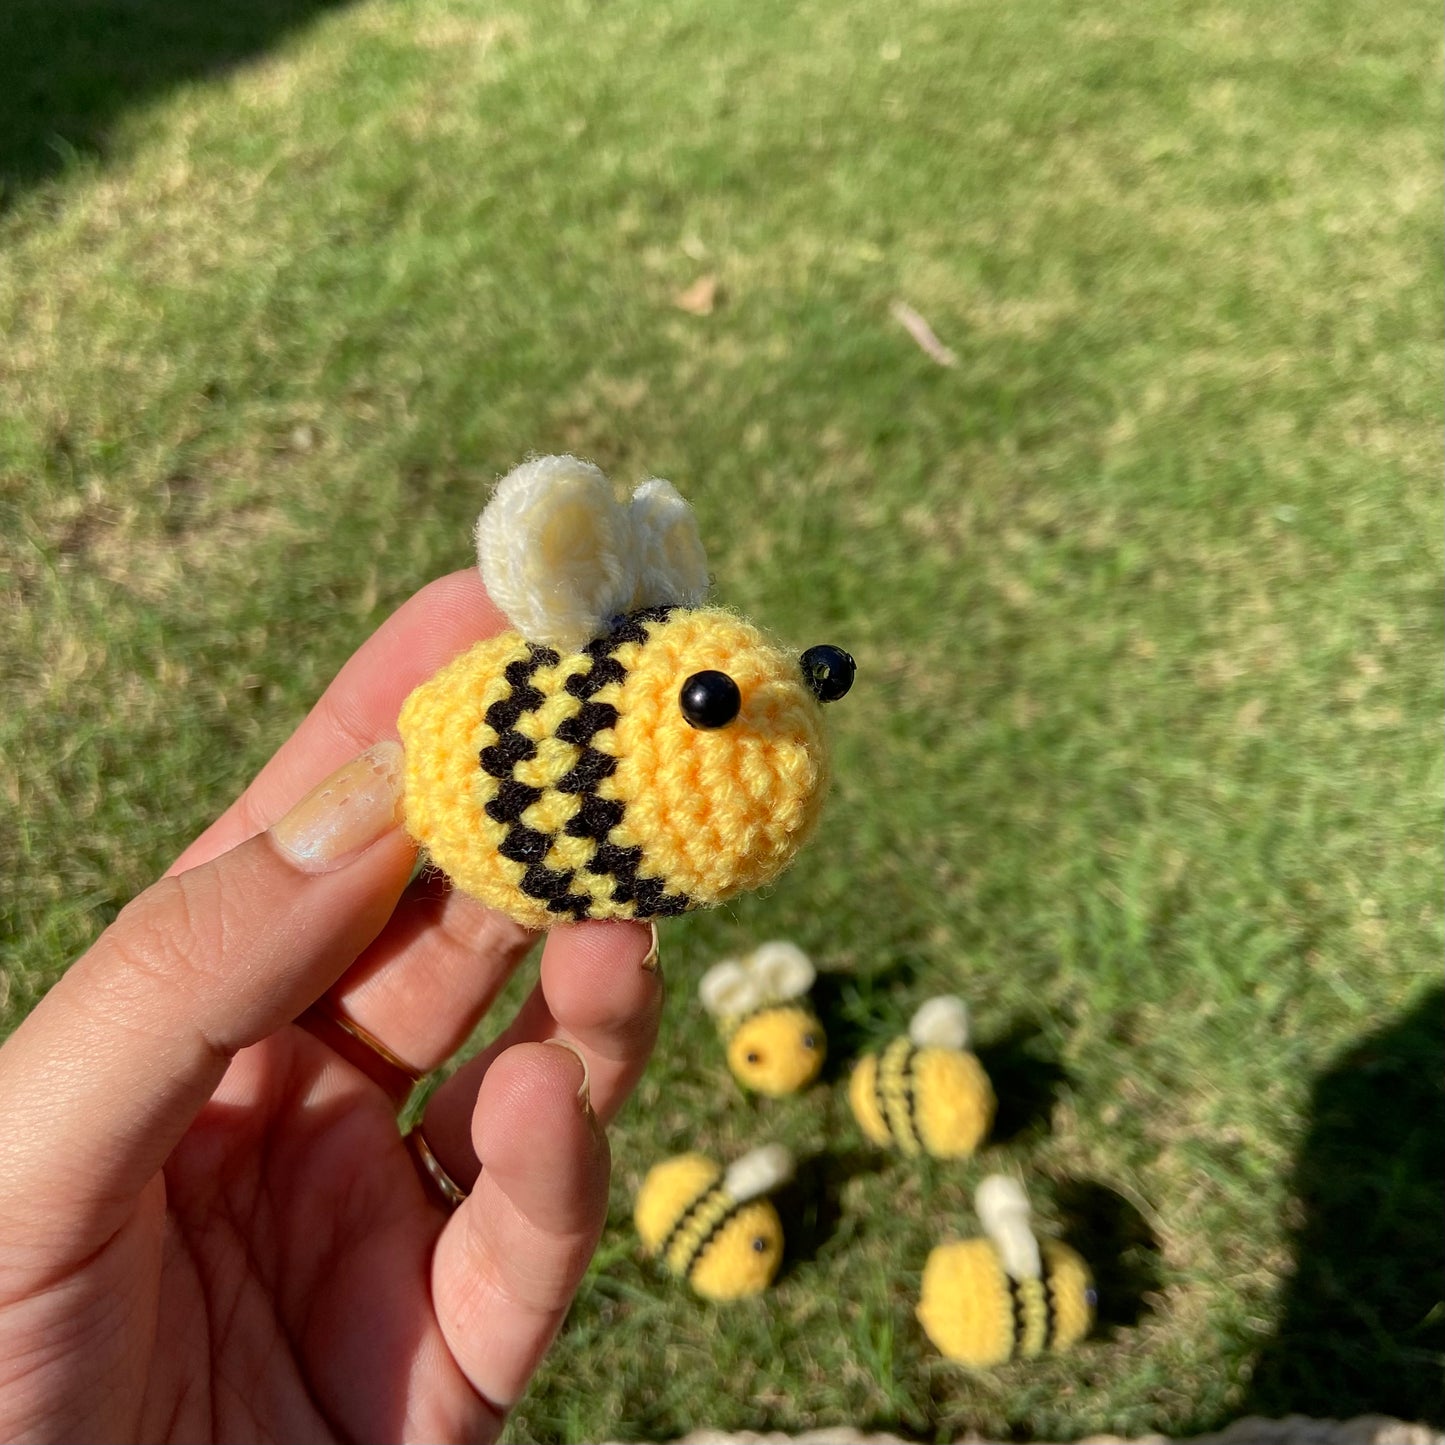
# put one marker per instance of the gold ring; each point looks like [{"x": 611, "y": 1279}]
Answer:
[
  {"x": 369, "y": 1040},
  {"x": 447, "y": 1187}
]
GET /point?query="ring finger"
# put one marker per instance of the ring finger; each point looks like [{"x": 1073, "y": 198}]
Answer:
[{"x": 422, "y": 986}]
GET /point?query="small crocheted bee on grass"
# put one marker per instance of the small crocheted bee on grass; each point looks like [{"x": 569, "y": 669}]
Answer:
[
  {"x": 986, "y": 1301},
  {"x": 715, "y": 1229},
  {"x": 775, "y": 1044},
  {"x": 626, "y": 752},
  {"x": 925, "y": 1093}
]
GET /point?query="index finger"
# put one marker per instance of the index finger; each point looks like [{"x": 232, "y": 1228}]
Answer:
[{"x": 360, "y": 706}]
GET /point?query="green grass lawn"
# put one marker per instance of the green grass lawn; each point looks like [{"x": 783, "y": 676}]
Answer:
[{"x": 1143, "y": 756}]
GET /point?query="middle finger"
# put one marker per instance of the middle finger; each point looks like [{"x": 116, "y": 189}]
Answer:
[
  {"x": 432, "y": 973},
  {"x": 601, "y": 991}
]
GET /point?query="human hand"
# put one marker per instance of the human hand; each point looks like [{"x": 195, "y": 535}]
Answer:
[{"x": 210, "y": 1225}]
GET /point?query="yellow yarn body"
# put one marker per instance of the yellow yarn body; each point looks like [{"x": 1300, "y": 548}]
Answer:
[
  {"x": 1071, "y": 1293},
  {"x": 918, "y": 1100},
  {"x": 559, "y": 787},
  {"x": 724, "y": 1249},
  {"x": 977, "y": 1315},
  {"x": 666, "y": 1193},
  {"x": 777, "y": 1050}
]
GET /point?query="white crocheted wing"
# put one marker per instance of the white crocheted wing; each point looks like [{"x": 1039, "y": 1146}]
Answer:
[
  {"x": 780, "y": 970},
  {"x": 728, "y": 988},
  {"x": 670, "y": 563},
  {"x": 758, "y": 1172},
  {"x": 771, "y": 973},
  {"x": 1003, "y": 1210},
  {"x": 940, "y": 1023},
  {"x": 562, "y": 557}
]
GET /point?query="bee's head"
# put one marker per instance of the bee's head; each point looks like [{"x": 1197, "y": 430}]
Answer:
[
  {"x": 778, "y": 1051},
  {"x": 721, "y": 749},
  {"x": 747, "y": 1254}
]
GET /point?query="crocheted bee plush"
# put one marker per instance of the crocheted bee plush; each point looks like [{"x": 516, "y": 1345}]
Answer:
[
  {"x": 715, "y": 1229},
  {"x": 626, "y": 752},
  {"x": 925, "y": 1093},
  {"x": 985, "y": 1301},
  {"x": 775, "y": 1044}
]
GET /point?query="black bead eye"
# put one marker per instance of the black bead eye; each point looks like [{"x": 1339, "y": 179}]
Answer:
[
  {"x": 754, "y": 1057},
  {"x": 710, "y": 700},
  {"x": 809, "y": 1042},
  {"x": 829, "y": 671},
  {"x": 759, "y": 1243}
]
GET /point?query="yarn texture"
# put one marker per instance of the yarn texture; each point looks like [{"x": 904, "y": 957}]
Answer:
[
  {"x": 625, "y": 752},
  {"x": 775, "y": 1045},
  {"x": 978, "y": 1315},
  {"x": 556, "y": 788},
  {"x": 922, "y": 1100},
  {"x": 777, "y": 1050},
  {"x": 725, "y": 1246}
]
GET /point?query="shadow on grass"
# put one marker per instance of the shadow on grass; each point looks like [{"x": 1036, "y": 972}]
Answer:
[
  {"x": 855, "y": 1011},
  {"x": 1027, "y": 1078},
  {"x": 69, "y": 68},
  {"x": 1363, "y": 1327},
  {"x": 1121, "y": 1250},
  {"x": 810, "y": 1202}
]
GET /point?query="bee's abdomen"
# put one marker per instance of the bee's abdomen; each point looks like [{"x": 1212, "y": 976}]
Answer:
[
  {"x": 696, "y": 1228},
  {"x": 592, "y": 877},
  {"x": 980, "y": 1315},
  {"x": 508, "y": 761},
  {"x": 893, "y": 1086}
]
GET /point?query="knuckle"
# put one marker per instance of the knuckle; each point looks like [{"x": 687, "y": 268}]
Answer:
[
  {"x": 536, "y": 1280},
  {"x": 253, "y": 818},
  {"x": 478, "y": 929},
  {"x": 168, "y": 942},
  {"x": 342, "y": 713}
]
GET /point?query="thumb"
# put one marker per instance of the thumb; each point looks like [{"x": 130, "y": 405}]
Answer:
[{"x": 108, "y": 1072}]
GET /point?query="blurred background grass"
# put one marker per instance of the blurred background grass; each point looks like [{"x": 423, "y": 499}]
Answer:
[{"x": 1144, "y": 590}]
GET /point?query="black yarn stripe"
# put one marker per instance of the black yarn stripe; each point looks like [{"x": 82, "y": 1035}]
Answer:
[
  {"x": 890, "y": 1118},
  {"x": 680, "y": 1223},
  {"x": 596, "y": 818},
  {"x": 910, "y": 1096},
  {"x": 587, "y": 772},
  {"x": 590, "y": 719},
  {"x": 605, "y": 670},
  {"x": 628, "y": 629},
  {"x": 512, "y": 800},
  {"x": 880, "y": 1099},
  {"x": 524, "y": 845},
  {"x": 510, "y": 749},
  {"x": 1051, "y": 1319},
  {"x": 521, "y": 843},
  {"x": 700, "y": 1246},
  {"x": 503, "y": 714},
  {"x": 1020, "y": 1312},
  {"x": 648, "y": 896}
]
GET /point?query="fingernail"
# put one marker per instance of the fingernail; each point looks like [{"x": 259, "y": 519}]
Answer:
[
  {"x": 346, "y": 814},
  {"x": 652, "y": 958},
  {"x": 584, "y": 1094}
]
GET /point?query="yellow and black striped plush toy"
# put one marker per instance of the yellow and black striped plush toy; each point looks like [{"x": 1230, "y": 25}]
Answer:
[
  {"x": 925, "y": 1092},
  {"x": 986, "y": 1301},
  {"x": 715, "y": 1229},
  {"x": 775, "y": 1043},
  {"x": 626, "y": 752}
]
